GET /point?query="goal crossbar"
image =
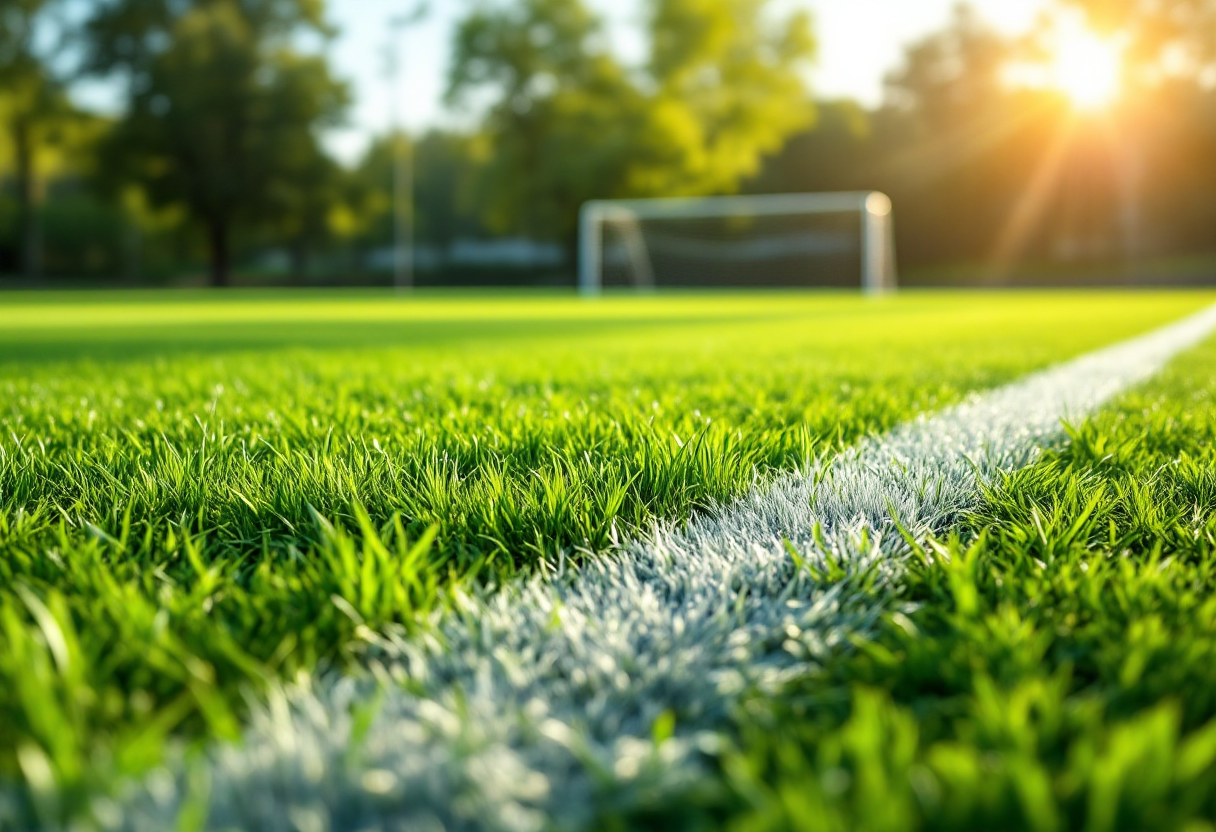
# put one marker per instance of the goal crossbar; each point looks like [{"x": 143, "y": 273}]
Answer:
[{"x": 872, "y": 207}]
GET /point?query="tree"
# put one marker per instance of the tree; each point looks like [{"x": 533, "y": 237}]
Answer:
[
  {"x": 954, "y": 76},
  {"x": 301, "y": 205},
  {"x": 32, "y": 104},
  {"x": 963, "y": 148},
  {"x": 569, "y": 122},
  {"x": 729, "y": 91},
  {"x": 223, "y": 113},
  {"x": 1168, "y": 120},
  {"x": 561, "y": 114},
  {"x": 445, "y": 165},
  {"x": 838, "y": 153},
  {"x": 1183, "y": 30},
  {"x": 309, "y": 184}
]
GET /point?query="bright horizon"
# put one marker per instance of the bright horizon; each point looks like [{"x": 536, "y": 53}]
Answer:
[{"x": 854, "y": 55}]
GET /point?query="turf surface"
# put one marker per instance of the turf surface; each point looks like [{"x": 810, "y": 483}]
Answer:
[
  {"x": 196, "y": 496},
  {"x": 1055, "y": 667}
]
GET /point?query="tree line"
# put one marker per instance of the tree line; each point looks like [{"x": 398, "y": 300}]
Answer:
[
  {"x": 217, "y": 152},
  {"x": 995, "y": 178}
]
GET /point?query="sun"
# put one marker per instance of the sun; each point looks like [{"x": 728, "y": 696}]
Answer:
[{"x": 1086, "y": 68}]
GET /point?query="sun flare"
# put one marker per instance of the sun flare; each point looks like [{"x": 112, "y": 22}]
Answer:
[{"x": 1086, "y": 68}]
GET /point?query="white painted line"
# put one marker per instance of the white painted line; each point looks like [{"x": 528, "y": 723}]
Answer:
[{"x": 537, "y": 706}]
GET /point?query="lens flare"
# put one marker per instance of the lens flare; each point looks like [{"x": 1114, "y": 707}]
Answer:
[{"x": 1086, "y": 68}]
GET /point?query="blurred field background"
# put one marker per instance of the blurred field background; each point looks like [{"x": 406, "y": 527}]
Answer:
[{"x": 157, "y": 143}]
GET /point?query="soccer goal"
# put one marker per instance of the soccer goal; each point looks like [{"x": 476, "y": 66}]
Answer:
[{"x": 840, "y": 240}]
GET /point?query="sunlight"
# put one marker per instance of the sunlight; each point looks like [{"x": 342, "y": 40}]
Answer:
[{"x": 1086, "y": 68}]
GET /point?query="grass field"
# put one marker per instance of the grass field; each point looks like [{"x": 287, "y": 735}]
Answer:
[
  {"x": 1059, "y": 671},
  {"x": 200, "y": 498}
]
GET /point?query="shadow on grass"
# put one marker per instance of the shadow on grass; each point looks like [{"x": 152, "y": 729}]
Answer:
[{"x": 156, "y": 341}]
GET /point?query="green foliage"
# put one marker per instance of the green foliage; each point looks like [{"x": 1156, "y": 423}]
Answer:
[
  {"x": 24, "y": 77},
  {"x": 1154, "y": 30},
  {"x": 223, "y": 113},
  {"x": 1006, "y": 183},
  {"x": 729, "y": 92},
  {"x": 955, "y": 147},
  {"x": 948, "y": 78},
  {"x": 1053, "y": 666},
  {"x": 178, "y": 527},
  {"x": 837, "y": 154},
  {"x": 445, "y": 165},
  {"x": 129, "y": 34},
  {"x": 569, "y": 122},
  {"x": 33, "y": 104},
  {"x": 990, "y": 182}
]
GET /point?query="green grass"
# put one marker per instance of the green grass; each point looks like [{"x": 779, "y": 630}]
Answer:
[
  {"x": 199, "y": 494},
  {"x": 1055, "y": 667}
]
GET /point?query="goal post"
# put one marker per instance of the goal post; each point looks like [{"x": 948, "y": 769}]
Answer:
[{"x": 818, "y": 239}]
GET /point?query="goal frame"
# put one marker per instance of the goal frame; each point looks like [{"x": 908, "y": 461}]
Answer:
[{"x": 878, "y": 269}]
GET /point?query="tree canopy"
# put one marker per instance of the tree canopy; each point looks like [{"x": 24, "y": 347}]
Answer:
[
  {"x": 223, "y": 112},
  {"x": 33, "y": 104},
  {"x": 1186, "y": 28},
  {"x": 569, "y": 121},
  {"x": 218, "y": 144}
]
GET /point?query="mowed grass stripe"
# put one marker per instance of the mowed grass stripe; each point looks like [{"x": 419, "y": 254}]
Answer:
[{"x": 579, "y": 699}]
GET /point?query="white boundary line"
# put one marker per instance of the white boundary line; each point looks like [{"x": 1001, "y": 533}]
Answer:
[{"x": 536, "y": 707}]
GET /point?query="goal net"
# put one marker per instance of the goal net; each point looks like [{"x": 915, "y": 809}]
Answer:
[{"x": 780, "y": 240}]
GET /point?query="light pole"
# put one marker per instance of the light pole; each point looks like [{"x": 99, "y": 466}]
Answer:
[{"x": 403, "y": 163}]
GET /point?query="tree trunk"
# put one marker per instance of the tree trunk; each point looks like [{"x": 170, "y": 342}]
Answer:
[
  {"x": 218, "y": 234},
  {"x": 27, "y": 200}
]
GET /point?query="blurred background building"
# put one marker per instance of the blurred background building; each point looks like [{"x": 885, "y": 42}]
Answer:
[{"x": 191, "y": 142}]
